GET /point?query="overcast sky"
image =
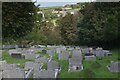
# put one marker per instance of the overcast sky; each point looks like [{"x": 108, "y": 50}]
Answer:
[{"x": 48, "y": 3}]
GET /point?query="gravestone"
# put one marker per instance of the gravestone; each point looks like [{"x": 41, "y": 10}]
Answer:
[
  {"x": 100, "y": 53},
  {"x": 41, "y": 60},
  {"x": 45, "y": 74},
  {"x": 34, "y": 65},
  {"x": 44, "y": 51},
  {"x": 58, "y": 50},
  {"x": 114, "y": 67},
  {"x": 64, "y": 55},
  {"x": 52, "y": 65},
  {"x": 14, "y": 73},
  {"x": 31, "y": 56},
  {"x": 16, "y": 55},
  {"x": 51, "y": 52},
  {"x": 89, "y": 58},
  {"x": 75, "y": 64}
]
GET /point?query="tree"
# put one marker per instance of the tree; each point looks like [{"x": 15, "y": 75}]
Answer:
[
  {"x": 17, "y": 19},
  {"x": 68, "y": 28}
]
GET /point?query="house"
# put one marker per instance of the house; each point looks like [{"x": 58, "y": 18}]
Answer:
[
  {"x": 89, "y": 58},
  {"x": 52, "y": 65},
  {"x": 75, "y": 64},
  {"x": 114, "y": 67}
]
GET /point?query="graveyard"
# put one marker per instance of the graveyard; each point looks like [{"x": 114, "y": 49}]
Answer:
[
  {"x": 60, "y": 40},
  {"x": 71, "y": 65}
]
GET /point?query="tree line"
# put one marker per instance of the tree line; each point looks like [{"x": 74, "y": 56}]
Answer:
[{"x": 96, "y": 24}]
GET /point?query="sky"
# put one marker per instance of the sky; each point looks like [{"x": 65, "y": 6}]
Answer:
[{"x": 48, "y": 3}]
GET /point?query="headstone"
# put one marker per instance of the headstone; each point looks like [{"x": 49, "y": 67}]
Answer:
[
  {"x": 51, "y": 52},
  {"x": 64, "y": 55},
  {"x": 52, "y": 65},
  {"x": 45, "y": 74},
  {"x": 44, "y": 51},
  {"x": 100, "y": 53},
  {"x": 31, "y": 56},
  {"x": 41, "y": 60},
  {"x": 114, "y": 67},
  {"x": 13, "y": 73},
  {"x": 16, "y": 55},
  {"x": 88, "y": 58},
  {"x": 75, "y": 64},
  {"x": 34, "y": 65}
]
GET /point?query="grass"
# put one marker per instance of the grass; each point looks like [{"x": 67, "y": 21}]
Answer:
[
  {"x": 99, "y": 72},
  {"x": 11, "y": 60}
]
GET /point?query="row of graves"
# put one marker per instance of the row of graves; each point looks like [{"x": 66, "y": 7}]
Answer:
[{"x": 74, "y": 55}]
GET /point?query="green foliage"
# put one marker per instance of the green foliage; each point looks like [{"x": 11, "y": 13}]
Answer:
[
  {"x": 68, "y": 28},
  {"x": 99, "y": 25},
  {"x": 18, "y": 19}
]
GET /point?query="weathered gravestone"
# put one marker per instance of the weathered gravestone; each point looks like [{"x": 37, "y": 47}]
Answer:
[
  {"x": 41, "y": 60},
  {"x": 44, "y": 51},
  {"x": 114, "y": 67},
  {"x": 64, "y": 55},
  {"x": 34, "y": 65},
  {"x": 45, "y": 74},
  {"x": 89, "y": 58},
  {"x": 75, "y": 64},
  {"x": 14, "y": 73},
  {"x": 52, "y": 65},
  {"x": 31, "y": 56},
  {"x": 51, "y": 52}
]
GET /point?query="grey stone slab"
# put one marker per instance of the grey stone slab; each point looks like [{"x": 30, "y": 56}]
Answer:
[
  {"x": 34, "y": 65},
  {"x": 14, "y": 73},
  {"x": 31, "y": 56},
  {"x": 114, "y": 67},
  {"x": 64, "y": 55},
  {"x": 89, "y": 58},
  {"x": 75, "y": 64},
  {"x": 41, "y": 60},
  {"x": 44, "y": 74},
  {"x": 100, "y": 53},
  {"x": 52, "y": 65}
]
